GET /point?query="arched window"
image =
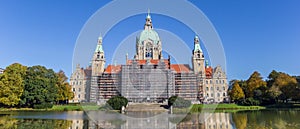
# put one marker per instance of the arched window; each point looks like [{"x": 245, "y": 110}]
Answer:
[{"x": 149, "y": 50}]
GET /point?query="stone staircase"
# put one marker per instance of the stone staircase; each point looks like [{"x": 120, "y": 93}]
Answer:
[{"x": 145, "y": 107}]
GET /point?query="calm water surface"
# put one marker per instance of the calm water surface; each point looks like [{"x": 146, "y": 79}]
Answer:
[{"x": 266, "y": 119}]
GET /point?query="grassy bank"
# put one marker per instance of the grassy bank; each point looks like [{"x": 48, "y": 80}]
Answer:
[
  {"x": 216, "y": 108},
  {"x": 193, "y": 108},
  {"x": 69, "y": 107}
]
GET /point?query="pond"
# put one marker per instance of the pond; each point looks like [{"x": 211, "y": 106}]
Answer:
[{"x": 278, "y": 119}]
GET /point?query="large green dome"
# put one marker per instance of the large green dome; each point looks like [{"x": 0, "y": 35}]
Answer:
[{"x": 149, "y": 34}]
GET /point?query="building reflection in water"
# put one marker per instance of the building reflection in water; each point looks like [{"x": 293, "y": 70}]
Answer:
[{"x": 154, "y": 121}]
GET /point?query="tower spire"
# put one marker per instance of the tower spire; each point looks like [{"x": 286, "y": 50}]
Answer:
[
  {"x": 148, "y": 15},
  {"x": 148, "y": 24},
  {"x": 197, "y": 44}
]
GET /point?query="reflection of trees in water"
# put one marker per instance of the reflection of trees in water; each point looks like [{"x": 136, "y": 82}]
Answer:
[
  {"x": 240, "y": 120},
  {"x": 6, "y": 122},
  {"x": 287, "y": 119},
  {"x": 43, "y": 124}
]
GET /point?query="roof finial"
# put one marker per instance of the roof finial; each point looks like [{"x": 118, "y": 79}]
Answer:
[
  {"x": 100, "y": 37},
  {"x": 148, "y": 16}
]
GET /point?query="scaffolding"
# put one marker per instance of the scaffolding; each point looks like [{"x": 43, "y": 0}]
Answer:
[{"x": 147, "y": 82}]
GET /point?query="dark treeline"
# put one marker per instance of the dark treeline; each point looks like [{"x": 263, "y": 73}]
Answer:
[
  {"x": 33, "y": 87},
  {"x": 278, "y": 88}
]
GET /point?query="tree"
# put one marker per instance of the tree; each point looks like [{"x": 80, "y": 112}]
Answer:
[
  {"x": 178, "y": 102},
  {"x": 236, "y": 92},
  {"x": 255, "y": 81},
  {"x": 272, "y": 77},
  {"x": 40, "y": 86},
  {"x": 117, "y": 102},
  {"x": 64, "y": 88},
  {"x": 287, "y": 85},
  {"x": 12, "y": 84}
]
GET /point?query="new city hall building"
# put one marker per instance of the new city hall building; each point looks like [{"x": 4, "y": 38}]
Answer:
[{"x": 148, "y": 77}]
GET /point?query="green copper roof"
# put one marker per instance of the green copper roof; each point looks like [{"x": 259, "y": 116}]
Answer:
[
  {"x": 206, "y": 63},
  {"x": 149, "y": 34},
  {"x": 197, "y": 47},
  {"x": 99, "y": 48}
]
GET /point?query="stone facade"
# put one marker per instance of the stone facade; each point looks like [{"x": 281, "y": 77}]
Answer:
[{"x": 80, "y": 81}]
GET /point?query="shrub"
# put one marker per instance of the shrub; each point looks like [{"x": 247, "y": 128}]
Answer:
[
  {"x": 171, "y": 100},
  {"x": 117, "y": 102},
  {"x": 43, "y": 106},
  {"x": 178, "y": 102},
  {"x": 250, "y": 102}
]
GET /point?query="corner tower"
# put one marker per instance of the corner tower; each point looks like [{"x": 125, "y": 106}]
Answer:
[
  {"x": 198, "y": 58},
  {"x": 98, "y": 60},
  {"x": 148, "y": 44}
]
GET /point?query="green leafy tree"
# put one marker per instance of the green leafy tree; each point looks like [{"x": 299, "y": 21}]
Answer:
[
  {"x": 236, "y": 92},
  {"x": 272, "y": 77},
  {"x": 117, "y": 102},
  {"x": 40, "y": 86},
  {"x": 255, "y": 81},
  {"x": 12, "y": 84},
  {"x": 64, "y": 88}
]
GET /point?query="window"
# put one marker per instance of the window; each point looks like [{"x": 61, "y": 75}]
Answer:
[
  {"x": 223, "y": 81},
  {"x": 216, "y": 81},
  {"x": 73, "y": 89},
  {"x": 218, "y": 94},
  {"x": 206, "y": 82},
  {"x": 212, "y": 95},
  {"x": 211, "y": 88},
  {"x": 207, "y": 95},
  {"x": 207, "y": 89},
  {"x": 79, "y": 96},
  {"x": 79, "y": 89},
  {"x": 217, "y": 88},
  {"x": 223, "y": 87},
  {"x": 210, "y": 81},
  {"x": 224, "y": 94}
]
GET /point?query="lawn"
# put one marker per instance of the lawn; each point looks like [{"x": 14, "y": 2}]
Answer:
[{"x": 222, "y": 107}]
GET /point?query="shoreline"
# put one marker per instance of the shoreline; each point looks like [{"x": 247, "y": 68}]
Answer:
[{"x": 193, "y": 109}]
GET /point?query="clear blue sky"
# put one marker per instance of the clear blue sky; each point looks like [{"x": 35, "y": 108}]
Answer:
[{"x": 257, "y": 35}]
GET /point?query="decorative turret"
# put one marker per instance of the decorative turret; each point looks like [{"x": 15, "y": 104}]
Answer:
[
  {"x": 98, "y": 60},
  {"x": 148, "y": 43},
  {"x": 198, "y": 57},
  {"x": 206, "y": 64},
  {"x": 148, "y": 24}
]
